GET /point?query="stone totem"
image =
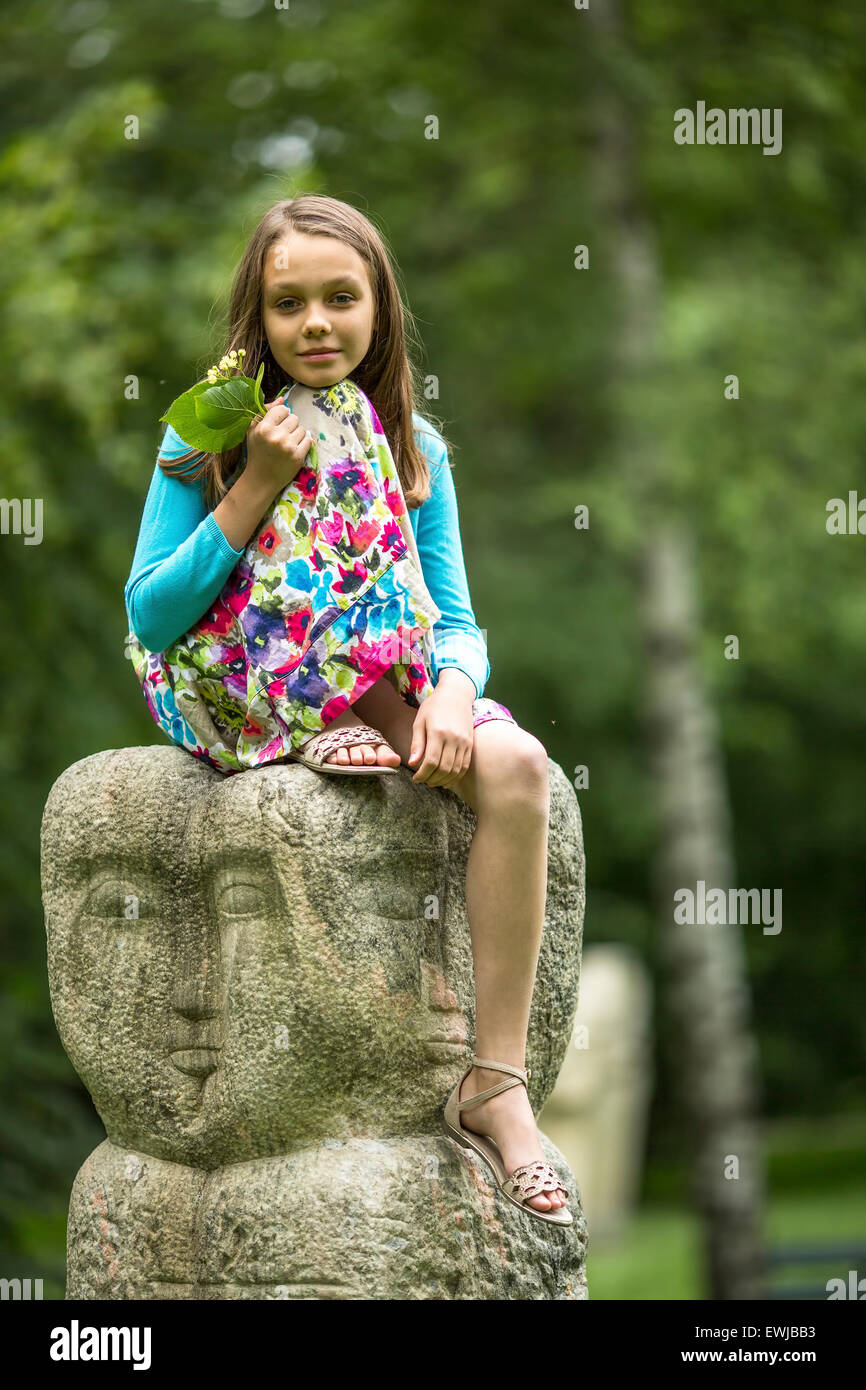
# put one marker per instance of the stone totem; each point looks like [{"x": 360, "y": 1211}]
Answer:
[{"x": 265, "y": 983}]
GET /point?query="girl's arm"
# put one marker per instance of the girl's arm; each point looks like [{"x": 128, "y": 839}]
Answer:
[
  {"x": 459, "y": 641},
  {"x": 184, "y": 556}
]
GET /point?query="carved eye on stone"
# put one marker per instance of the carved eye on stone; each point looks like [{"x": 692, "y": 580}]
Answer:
[
  {"x": 402, "y": 886},
  {"x": 394, "y": 900},
  {"x": 116, "y": 898},
  {"x": 242, "y": 900}
]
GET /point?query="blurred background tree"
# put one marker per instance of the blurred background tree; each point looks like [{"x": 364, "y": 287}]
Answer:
[{"x": 118, "y": 254}]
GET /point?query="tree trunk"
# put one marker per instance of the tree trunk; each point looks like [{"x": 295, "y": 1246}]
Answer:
[{"x": 704, "y": 992}]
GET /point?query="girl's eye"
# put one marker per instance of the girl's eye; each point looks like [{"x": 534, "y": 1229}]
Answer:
[{"x": 343, "y": 294}]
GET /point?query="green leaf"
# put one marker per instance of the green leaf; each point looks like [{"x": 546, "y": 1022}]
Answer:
[
  {"x": 260, "y": 400},
  {"x": 183, "y": 417},
  {"x": 227, "y": 404}
]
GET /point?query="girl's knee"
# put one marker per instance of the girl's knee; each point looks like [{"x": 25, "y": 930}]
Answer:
[
  {"x": 513, "y": 769},
  {"x": 530, "y": 763}
]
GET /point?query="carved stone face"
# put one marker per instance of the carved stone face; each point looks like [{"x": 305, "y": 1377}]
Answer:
[{"x": 225, "y": 990}]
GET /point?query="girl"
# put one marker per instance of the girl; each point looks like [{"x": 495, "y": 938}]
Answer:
[{"x": 315, "y": 299}]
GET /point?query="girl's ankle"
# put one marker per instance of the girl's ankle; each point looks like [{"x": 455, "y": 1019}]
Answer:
[
  {"x": 506, "y": 1062},
  {"x": 484, "y": 1077}
]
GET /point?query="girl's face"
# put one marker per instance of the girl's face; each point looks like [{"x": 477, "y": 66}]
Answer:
[{"x": 316, "y": 295}]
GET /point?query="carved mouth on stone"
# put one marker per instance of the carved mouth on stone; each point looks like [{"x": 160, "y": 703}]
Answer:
[
  {"x": 444, "y": 1047},
  {"x": 196, "y": 1061}
]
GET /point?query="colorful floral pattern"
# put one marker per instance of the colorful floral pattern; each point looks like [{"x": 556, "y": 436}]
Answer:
[
  {"x": 484, "y": 708},
  {"x": 327, "y": 598}
]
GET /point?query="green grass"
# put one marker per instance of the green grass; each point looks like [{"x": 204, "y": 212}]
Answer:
[{"x": 659, "y": 1255}]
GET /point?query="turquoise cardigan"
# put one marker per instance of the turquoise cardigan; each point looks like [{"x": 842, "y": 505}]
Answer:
[{"x": 183, "y": 559}]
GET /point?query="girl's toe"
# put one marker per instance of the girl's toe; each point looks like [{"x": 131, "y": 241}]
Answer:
[{"x": 541, "y": 1201}]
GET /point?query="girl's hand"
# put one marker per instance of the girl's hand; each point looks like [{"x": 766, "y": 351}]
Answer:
[
  {"x": 443, "y": 733},
  {"x": 277, "y": 447}
]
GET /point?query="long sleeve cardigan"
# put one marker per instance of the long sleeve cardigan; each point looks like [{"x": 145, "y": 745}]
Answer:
[{"x": 183, "y": 559}]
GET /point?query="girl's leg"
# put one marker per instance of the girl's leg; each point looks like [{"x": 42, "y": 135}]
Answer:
[{"x": 506, "y": 883}]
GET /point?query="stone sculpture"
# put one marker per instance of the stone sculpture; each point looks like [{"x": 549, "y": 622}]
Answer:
[{"x": 265, "y": 983}]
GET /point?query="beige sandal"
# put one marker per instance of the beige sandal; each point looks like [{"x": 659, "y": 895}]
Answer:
[
  {"x": 530, "y": 1179},
  {"x": 314, "y": 752}
]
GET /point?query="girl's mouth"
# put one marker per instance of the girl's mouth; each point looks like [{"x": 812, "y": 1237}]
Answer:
[{"x": 319, "y": 356}]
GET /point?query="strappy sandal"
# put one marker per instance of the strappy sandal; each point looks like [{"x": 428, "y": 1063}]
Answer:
[
  {"x": 314, "y": 752},
  {"x": 530, "y": 1179}
]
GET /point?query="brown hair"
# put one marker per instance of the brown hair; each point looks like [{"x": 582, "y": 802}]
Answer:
[{"x": 386, "y": 374}]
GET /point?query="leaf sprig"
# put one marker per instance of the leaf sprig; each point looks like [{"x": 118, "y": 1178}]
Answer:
[{"x": 215, "y": 414}]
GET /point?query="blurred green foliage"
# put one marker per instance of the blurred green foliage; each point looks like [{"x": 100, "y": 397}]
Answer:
[{"x": 117, "y": 257}]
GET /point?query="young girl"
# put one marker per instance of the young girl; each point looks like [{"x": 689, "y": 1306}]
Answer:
[{"x": 315, "y": 299}]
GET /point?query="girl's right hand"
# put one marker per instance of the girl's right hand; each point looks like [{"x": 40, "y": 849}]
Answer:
[{"x": 277, "y": 446}]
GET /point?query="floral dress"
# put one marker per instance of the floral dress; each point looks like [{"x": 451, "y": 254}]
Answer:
[{"x": 327, "y": 597}]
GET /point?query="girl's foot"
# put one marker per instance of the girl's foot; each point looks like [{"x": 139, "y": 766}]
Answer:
[
  {"x": 509, "y": 1121},
  {"x": 383, "y": 709},
  {"x": 361, "y": 754}
]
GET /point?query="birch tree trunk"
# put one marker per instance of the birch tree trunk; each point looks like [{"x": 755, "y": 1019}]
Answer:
[{"x": 703, "y": 990}]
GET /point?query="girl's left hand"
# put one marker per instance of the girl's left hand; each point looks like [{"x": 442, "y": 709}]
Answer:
[{"x": 444, "y": 733}]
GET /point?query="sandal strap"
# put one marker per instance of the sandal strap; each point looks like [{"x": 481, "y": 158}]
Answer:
[
  {"x": 322, "y": 745},
  {"x": 518, "y": 1076},
  {"x": 523, "y": 1072},
  {"x": 485, "y": 1095},
  {"x": 531, "y": 1179}
]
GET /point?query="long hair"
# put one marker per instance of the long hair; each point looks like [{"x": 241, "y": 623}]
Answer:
[{"x": 386, "y": 374}]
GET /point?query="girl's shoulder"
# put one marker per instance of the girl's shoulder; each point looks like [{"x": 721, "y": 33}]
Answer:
[
  {"x": 429, "y": 439},
  {"x": 427, "y": 436},
  {"x": 173, "y": 447}
]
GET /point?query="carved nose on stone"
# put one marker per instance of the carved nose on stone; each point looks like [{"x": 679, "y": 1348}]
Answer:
[
  {"x": 445, "y": 1030},
  {"x": 437, "y": 992},
  {"x": 197, "y": 991},
  {"x": 195, "y": 1037}
]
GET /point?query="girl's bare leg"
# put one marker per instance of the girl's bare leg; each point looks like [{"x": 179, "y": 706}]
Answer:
[{"x": 506, "y": 882}]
